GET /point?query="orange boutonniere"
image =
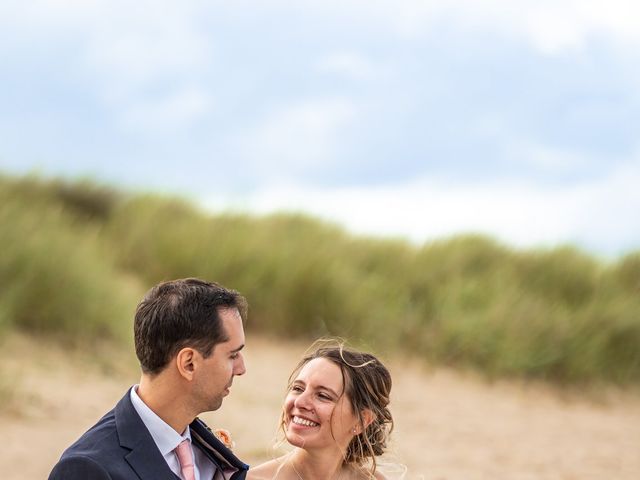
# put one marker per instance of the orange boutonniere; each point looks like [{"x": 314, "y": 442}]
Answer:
[{"x": 225, "y": 437}]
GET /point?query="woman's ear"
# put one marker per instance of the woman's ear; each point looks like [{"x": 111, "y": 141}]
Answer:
[
  {"x": 367, "y": 418},
  {"x": 186, "y": 363}
]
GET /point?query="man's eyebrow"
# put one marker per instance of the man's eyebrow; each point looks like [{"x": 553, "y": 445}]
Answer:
[{"x": 238, "y": 349}]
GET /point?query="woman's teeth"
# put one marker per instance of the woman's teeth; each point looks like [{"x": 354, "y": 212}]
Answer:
[{"x": 305, "y": 422}]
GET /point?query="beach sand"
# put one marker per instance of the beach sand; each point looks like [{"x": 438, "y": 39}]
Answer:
[{"x": 449, "y": 425}]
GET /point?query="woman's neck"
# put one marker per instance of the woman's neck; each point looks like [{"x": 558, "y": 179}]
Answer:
[{"x": 316, "y": 465}]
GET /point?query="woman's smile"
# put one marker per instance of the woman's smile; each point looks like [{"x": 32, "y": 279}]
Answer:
[{"x": 303, "y": 422}]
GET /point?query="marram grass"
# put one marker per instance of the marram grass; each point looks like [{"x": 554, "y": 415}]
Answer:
[{"x": 70, "y": 260}]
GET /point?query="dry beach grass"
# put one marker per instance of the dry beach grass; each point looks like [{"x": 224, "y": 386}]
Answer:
[{"x": 448, "y": 425}]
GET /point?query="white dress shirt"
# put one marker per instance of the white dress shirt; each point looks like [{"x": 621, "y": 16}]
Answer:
[{"x": 167, "y": 439}]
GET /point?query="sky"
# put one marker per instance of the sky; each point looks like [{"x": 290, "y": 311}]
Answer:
[{"x": 415, "y": 119}]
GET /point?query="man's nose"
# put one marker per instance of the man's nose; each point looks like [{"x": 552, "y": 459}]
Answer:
[{"x": 240, "y": 368}]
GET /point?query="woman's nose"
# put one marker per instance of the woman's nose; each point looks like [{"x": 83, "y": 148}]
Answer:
[{"x": 302, "y": 401}]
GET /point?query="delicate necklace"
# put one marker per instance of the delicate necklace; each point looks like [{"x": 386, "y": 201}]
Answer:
[
  {"x": 300, "y": 476},
  {"x": 296, "y": 470}
]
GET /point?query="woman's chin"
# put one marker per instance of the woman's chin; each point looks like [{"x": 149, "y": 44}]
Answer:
[{"x": 294, "y": 439}]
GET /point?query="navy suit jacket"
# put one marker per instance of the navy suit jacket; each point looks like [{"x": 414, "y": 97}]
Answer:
[{"x": 119, "y": 447}]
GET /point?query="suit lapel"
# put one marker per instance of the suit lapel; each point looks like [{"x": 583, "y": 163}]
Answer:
[
  {"x": 149, "y": 466},
  {"x": 147, "y": 461},
  {"x": 226, "y": 462},
  {"x": 144, "y": 457}
]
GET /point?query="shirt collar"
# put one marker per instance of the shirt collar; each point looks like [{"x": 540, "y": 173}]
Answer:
[{"x": 165, "y": 437}]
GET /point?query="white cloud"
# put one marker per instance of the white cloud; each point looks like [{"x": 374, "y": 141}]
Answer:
[
  {"x": 134, "y": 58},
  {"x": 348, "y": 64},
  {"x": 48, "y": 14},
  {"x": 609, "y": 213},
  {"x": 552, "y": 160},
  {"x": 122, "y": 47},
  {"x": 599, "y": 215},
  {"x": 177, "y": 111},
  {"x": 554, "y": 27},
  {"x": 550, "y": 26},
  {"x": 297, "y": 137},
  {"x": 129, "y": 54}
]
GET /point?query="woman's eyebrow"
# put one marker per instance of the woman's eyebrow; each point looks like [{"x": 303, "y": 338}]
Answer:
[
  {"x": 330, "y": 390},
  {"x": 318, "y": 387}
]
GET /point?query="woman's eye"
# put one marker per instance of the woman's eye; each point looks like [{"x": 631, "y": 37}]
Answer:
[
  {"x": 296, "y": 388},
  {"x": 324, "y": 396}
]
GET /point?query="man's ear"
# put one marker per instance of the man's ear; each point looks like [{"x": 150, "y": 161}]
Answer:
[{"x": 186, "y": 362}]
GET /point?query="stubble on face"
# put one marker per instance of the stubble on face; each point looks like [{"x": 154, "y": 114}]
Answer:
[{"x": 220, "y": 367}]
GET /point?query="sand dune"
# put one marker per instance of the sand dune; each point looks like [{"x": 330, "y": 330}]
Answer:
[{"x": 448, "y": 425}]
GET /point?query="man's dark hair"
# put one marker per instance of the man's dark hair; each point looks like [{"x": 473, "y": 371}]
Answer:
[{"x": 178, "y": 314}]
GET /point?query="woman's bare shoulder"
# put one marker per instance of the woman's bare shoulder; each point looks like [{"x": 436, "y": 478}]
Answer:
[
  {"x": 265, "y": 470},
  {"x": 362, "y": 474}
]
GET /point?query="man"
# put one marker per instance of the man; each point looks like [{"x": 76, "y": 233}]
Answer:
[{"x": 188, "y": 338}]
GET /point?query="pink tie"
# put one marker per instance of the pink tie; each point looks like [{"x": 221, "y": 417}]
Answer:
[{"x": 186, "y": 460}]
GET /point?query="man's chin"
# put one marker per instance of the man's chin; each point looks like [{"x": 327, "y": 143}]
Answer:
[{"x": 214, "y": 404}]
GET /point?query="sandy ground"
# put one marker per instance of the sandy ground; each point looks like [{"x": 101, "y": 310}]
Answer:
[{"x": 448, "y": 425}]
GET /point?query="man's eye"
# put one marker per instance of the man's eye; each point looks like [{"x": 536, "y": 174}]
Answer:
[{"x": 234, "y": 356}]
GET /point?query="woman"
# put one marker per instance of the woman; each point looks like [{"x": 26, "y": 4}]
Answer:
[{"x": 335, "y": 414}]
